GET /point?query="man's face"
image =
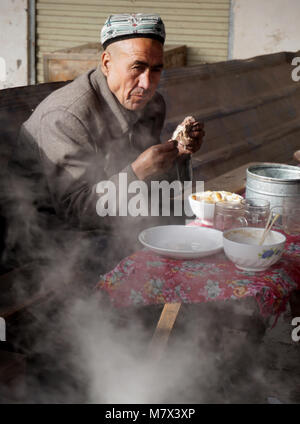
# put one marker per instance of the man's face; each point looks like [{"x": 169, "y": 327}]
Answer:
[{"x": 133, "y": 68}]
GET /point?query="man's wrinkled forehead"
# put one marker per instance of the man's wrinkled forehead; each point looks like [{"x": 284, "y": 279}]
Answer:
[{"x": 138, "y": 50}]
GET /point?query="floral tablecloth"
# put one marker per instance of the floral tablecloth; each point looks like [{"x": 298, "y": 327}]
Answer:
[{"x": 145, "y": 278}]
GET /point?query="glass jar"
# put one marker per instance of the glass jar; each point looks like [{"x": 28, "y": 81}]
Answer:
[
  {"x": 257, "y": 211},
  {"x": 229, "y": 215}
]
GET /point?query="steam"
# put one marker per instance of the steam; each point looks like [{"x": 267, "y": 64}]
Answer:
[
  {"x": 82, "y": 350},
  {"x": 93, "y": 353}
]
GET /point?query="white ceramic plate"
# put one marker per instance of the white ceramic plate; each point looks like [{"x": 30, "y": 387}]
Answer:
[{"x": 181, "y": 242}]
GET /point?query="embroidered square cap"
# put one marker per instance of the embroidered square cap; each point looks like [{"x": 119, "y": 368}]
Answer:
[{"x": 137, "y": 25}]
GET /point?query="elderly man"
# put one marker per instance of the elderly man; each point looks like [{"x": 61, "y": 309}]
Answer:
[{"x": 104, "y": 125}]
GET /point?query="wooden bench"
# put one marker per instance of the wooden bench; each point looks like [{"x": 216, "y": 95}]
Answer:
[{"x": 250, "y": 108}]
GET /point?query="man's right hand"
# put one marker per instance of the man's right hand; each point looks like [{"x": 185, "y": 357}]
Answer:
[{"x": 155, "y": 160}]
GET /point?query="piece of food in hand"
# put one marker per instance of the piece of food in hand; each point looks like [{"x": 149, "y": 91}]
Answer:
[{"x": 182, "y": 132}]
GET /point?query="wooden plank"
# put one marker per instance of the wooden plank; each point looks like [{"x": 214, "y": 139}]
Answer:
[
  {"x": 64, "y": 65},
  {"x": 163, "y": 330},
  {"x": 234, "y": 181}
]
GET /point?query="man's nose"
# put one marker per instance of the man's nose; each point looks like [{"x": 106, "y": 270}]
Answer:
[{"x": 145, "y": 80}]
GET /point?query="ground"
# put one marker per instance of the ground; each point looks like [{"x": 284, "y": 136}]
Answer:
[
  {"x": 239, "y": 369},
  {"x": 209, "y": 359},
  {"x": 283, "y": 362}
]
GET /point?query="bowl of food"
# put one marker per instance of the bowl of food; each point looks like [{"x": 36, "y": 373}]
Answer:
[
  {"x": 203, "y": 203},
  {"x": 242, "y": 247}
]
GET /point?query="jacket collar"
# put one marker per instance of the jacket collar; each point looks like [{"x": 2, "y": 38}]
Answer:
[{"x": 125, "y": 118}]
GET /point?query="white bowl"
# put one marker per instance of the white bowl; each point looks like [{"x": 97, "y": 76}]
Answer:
[
  {"x": 241, "y": 246},
  {"x": 203, "y": 210}
]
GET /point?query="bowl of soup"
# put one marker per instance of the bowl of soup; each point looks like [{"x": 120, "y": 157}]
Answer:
[{"x": 242, "y": 247}]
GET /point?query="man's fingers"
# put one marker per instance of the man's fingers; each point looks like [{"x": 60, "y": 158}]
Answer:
[
  {"x": 197, "y": 134},
  {"x": 169, "y": 146},
  {"x": 192, "y": 147},
  {"x": 197, "y": 126},
  {"x": 170, "y": 155}
]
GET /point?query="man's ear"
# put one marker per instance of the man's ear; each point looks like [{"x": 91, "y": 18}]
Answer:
[{"x": 105, "y": 62}]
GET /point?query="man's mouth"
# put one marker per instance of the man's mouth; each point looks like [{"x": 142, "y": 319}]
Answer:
[{"x": 141, "y": 95}]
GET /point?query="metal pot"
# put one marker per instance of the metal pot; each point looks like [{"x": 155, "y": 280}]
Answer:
[{"x": 273, "y": 181}]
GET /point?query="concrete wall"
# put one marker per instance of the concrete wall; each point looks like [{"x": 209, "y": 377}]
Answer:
[
  {"x": 13, "y": 43},
  {"x": 264, "y": 26}
]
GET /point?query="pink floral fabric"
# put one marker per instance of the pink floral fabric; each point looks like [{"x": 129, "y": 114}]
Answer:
[{"x": 145, "y": 278}]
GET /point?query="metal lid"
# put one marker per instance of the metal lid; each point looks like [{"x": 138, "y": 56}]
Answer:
[{"x": 275, "y": 172}]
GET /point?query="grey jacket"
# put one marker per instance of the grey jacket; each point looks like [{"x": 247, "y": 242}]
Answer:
[{"x": 81, "y": 135}]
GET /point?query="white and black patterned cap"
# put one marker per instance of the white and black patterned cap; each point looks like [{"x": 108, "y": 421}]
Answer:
[{"x": 136, "y": 25}]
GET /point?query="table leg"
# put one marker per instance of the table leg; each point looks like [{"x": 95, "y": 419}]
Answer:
[
  {"x": 163, "y": 329},
  {"x": 295, "y": 303}
]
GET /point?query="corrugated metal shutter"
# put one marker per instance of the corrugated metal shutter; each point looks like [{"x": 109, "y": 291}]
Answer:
[{"x": 201, "y": 25}]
